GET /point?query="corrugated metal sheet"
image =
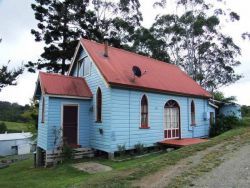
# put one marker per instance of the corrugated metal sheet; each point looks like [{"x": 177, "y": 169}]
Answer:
[
  {"x": 55, "y": 84},
  {"x": 157, "y": 75}
]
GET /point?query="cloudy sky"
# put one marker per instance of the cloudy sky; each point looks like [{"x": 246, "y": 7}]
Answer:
[{"x": 18, "y": 45}]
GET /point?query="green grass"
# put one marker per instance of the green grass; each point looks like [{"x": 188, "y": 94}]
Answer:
[
  {"x": 22, "y": 174},
  {"x": 246, "y": 119},
  {"x": 15, "y": 127}
]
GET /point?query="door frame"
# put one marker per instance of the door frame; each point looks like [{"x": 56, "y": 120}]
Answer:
[
  {"x": 78, "y": 113},
  {"x": 164, "y": 120}
]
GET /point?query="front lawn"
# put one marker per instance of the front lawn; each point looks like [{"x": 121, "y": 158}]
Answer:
[{"x": 22, "y": 174}]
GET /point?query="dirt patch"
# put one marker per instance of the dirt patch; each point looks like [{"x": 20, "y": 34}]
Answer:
[{"x": 91, "y": 167}]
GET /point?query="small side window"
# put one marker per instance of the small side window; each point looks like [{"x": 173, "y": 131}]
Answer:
[
  {"x": 99, "y": 105},
  {"x": 43, "y": 109},
  {"x": 144, "y": 112},
  {"x": 87, "y": 66},
  {"x": 192, "y": 113}
]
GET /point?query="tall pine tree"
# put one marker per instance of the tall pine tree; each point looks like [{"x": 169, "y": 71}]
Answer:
[{"x": 61, "y": 23}]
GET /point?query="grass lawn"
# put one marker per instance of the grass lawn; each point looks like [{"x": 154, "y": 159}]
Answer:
[
  {"x": 15, "y": 127},
  {"x": 22, "y": 174}
]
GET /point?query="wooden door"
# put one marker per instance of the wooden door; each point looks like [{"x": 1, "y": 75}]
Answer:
[{"x": 70, "y": 124}]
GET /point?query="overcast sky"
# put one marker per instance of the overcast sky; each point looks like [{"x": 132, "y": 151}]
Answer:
[{"x": 18, "y": 45}]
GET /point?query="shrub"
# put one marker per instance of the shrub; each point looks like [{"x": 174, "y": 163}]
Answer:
[
  {"x": 121, "y": 149},
  {"x": 67, "y": 152},
  {"x": 223, "y": 124},
  {"x": 139, "y": 148},
  {"x": 3, "y": 127}
]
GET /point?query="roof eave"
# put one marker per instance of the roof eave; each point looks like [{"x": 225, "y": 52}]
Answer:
[
  {"x": 124, "y": 86},
  {"x": 70, "y": 96}
]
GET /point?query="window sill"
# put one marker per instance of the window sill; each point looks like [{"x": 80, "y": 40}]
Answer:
[
  {"x": 98, "y": 121},
  {"x": 144, "y": 127}
]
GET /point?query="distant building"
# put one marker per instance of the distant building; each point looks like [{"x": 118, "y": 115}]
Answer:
[
  {"x": 231, "y": 109},
  {"x": 227, "y": 108},
  {"x": 15, "y": 143}
]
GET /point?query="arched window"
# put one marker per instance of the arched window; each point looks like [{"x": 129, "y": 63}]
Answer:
[
  {"x": 172, "y": 120},
  {"x": 99, "y": 105},
  {"x": 192, "y": 113},
  {"x": 144, "y": 112}
]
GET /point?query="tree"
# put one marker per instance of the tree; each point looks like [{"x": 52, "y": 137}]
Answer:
[
  {"x": 219, "y": 96},
  {"x": 12, "y": 112},
  {"x": 194, "y": 41},
  {"x": 145, "y": 43},
  {"x": 8, "y": 77},
  {"x": 245, "y": 110},
  {"x": 62, "y": 22},
  {"x": 59, "y": 28},
  {"x": 3, "y": 127},
  {"x": 31, "y": 116}
]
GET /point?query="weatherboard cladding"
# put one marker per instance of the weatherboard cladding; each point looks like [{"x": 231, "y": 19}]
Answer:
[
  {"x": 95, "y": 80},
  {"x": 125, "y": 119},
  {"x": 42, "y": 138},
  {"x": 55, "y": 119},
  {"x": 159, "y": 76}
]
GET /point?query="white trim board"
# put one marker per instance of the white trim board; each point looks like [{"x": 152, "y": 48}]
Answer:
[{"x": 69, "y": 97}]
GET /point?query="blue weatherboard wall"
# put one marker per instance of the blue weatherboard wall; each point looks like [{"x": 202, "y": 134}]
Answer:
[
  {"x": 125, "y": 120},
  {"x": 43, "y": 127},
  {"x": 55, "y": 119},
  {"x": 95, "y": 80}
]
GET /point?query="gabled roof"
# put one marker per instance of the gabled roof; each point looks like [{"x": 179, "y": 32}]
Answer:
[
  {"x": 63, "y": 86},
  {"x": 159, "y": 76}
]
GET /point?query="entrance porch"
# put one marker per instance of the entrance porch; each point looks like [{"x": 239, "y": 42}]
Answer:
[{"x": 183, "y": 142}]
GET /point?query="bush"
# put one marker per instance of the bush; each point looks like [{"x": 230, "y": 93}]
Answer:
[
  {"x": 139, "y": 148},
  {"x": 3, "y": 127},
  {"x": 67, "y": 152},
  {"x": 121, "y": 149},
  {"x": 223, "y": 124}
]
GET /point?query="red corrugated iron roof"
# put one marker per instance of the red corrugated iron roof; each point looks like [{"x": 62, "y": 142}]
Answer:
[
  {"x": 55, "y": 84},
  {"x": 159, "y": 76}
]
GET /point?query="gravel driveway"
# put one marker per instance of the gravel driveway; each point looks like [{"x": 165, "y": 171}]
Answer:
[{"x": 233, "y": 173}]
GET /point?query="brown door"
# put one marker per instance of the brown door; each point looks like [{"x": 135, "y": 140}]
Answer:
[{"x": 70, "y": 119}]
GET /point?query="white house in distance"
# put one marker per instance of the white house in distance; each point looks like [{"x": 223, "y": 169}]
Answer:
[{"x": 15, "y": 143}]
